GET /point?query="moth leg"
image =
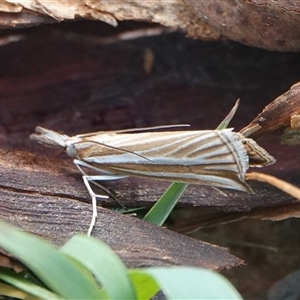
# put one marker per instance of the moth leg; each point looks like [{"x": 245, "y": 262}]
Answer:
[
  {"x": 87, "y": 179},
  {"x": 94, "y": 203},
  {"x": 80, "y": 163},
  {"x": 91, "y": 178}
]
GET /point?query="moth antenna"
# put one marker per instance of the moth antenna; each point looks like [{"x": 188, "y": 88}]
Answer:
[
  {"x": 152, "y": 128},
  {"x": 135, "y": 129},
  {"x": 107, "y": 191}
]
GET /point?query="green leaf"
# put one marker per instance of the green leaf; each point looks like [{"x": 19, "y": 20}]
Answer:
[
  {"x": 13, "y": 292},
  {"x": 164, "y": 206},
  {"x": 55, "y": 269},
  {"x": 145, "y": 285},
  {"x": 103, "y": 263},
  {"x": 192, "y": 283},
  {"x": 230, "y": 115},
  {"x": 18, "y": 281}
]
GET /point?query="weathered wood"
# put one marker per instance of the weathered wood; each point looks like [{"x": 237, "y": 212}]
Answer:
[
  {"x": 276, "y": 115},
  {"x": 253, "y": 23},
  {"x": 50, "y": 205}
]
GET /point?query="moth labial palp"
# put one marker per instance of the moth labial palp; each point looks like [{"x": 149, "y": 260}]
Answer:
[{"x": 218, "y": 158}]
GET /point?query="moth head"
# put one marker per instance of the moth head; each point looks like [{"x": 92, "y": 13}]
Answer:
[
  {"x": 54, "y": 139},
  {"x": 70, "y": 146}
]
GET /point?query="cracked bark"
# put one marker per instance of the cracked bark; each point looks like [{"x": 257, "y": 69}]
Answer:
[{"x": 52, "y": 205}]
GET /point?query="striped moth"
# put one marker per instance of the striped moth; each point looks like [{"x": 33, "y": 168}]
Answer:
[{"x": 218, "y": 158}]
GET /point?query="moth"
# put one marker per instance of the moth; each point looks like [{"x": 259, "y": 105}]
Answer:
[{"x": 218, "y": 158}]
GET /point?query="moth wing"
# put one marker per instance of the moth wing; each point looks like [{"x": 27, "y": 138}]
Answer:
[{"x": 211, "y": 157}]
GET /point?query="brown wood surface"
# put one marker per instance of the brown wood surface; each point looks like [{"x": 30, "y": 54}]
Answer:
[
  {"x": 51, "y": 204},
  {"x": 267, "y": 24}
]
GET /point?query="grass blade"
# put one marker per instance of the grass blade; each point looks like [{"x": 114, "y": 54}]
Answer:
[
  {"x": 192, "y": 283},
  {"x": 18, "y": 281},
  {"x": 230, "y": 115},
  {"x": 164, "y": 206},
  {"x": 103, "y": 263},
  {"x": 55, "y": 269},
  {"x": 145, "y": 286}
]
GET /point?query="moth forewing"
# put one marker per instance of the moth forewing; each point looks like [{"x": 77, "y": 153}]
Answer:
[
  {"x": 209, "y": 157},
  {"x": 218, "y": 158}
]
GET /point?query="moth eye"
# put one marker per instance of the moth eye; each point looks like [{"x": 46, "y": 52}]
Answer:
[{"x": 70, "y": 150}]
